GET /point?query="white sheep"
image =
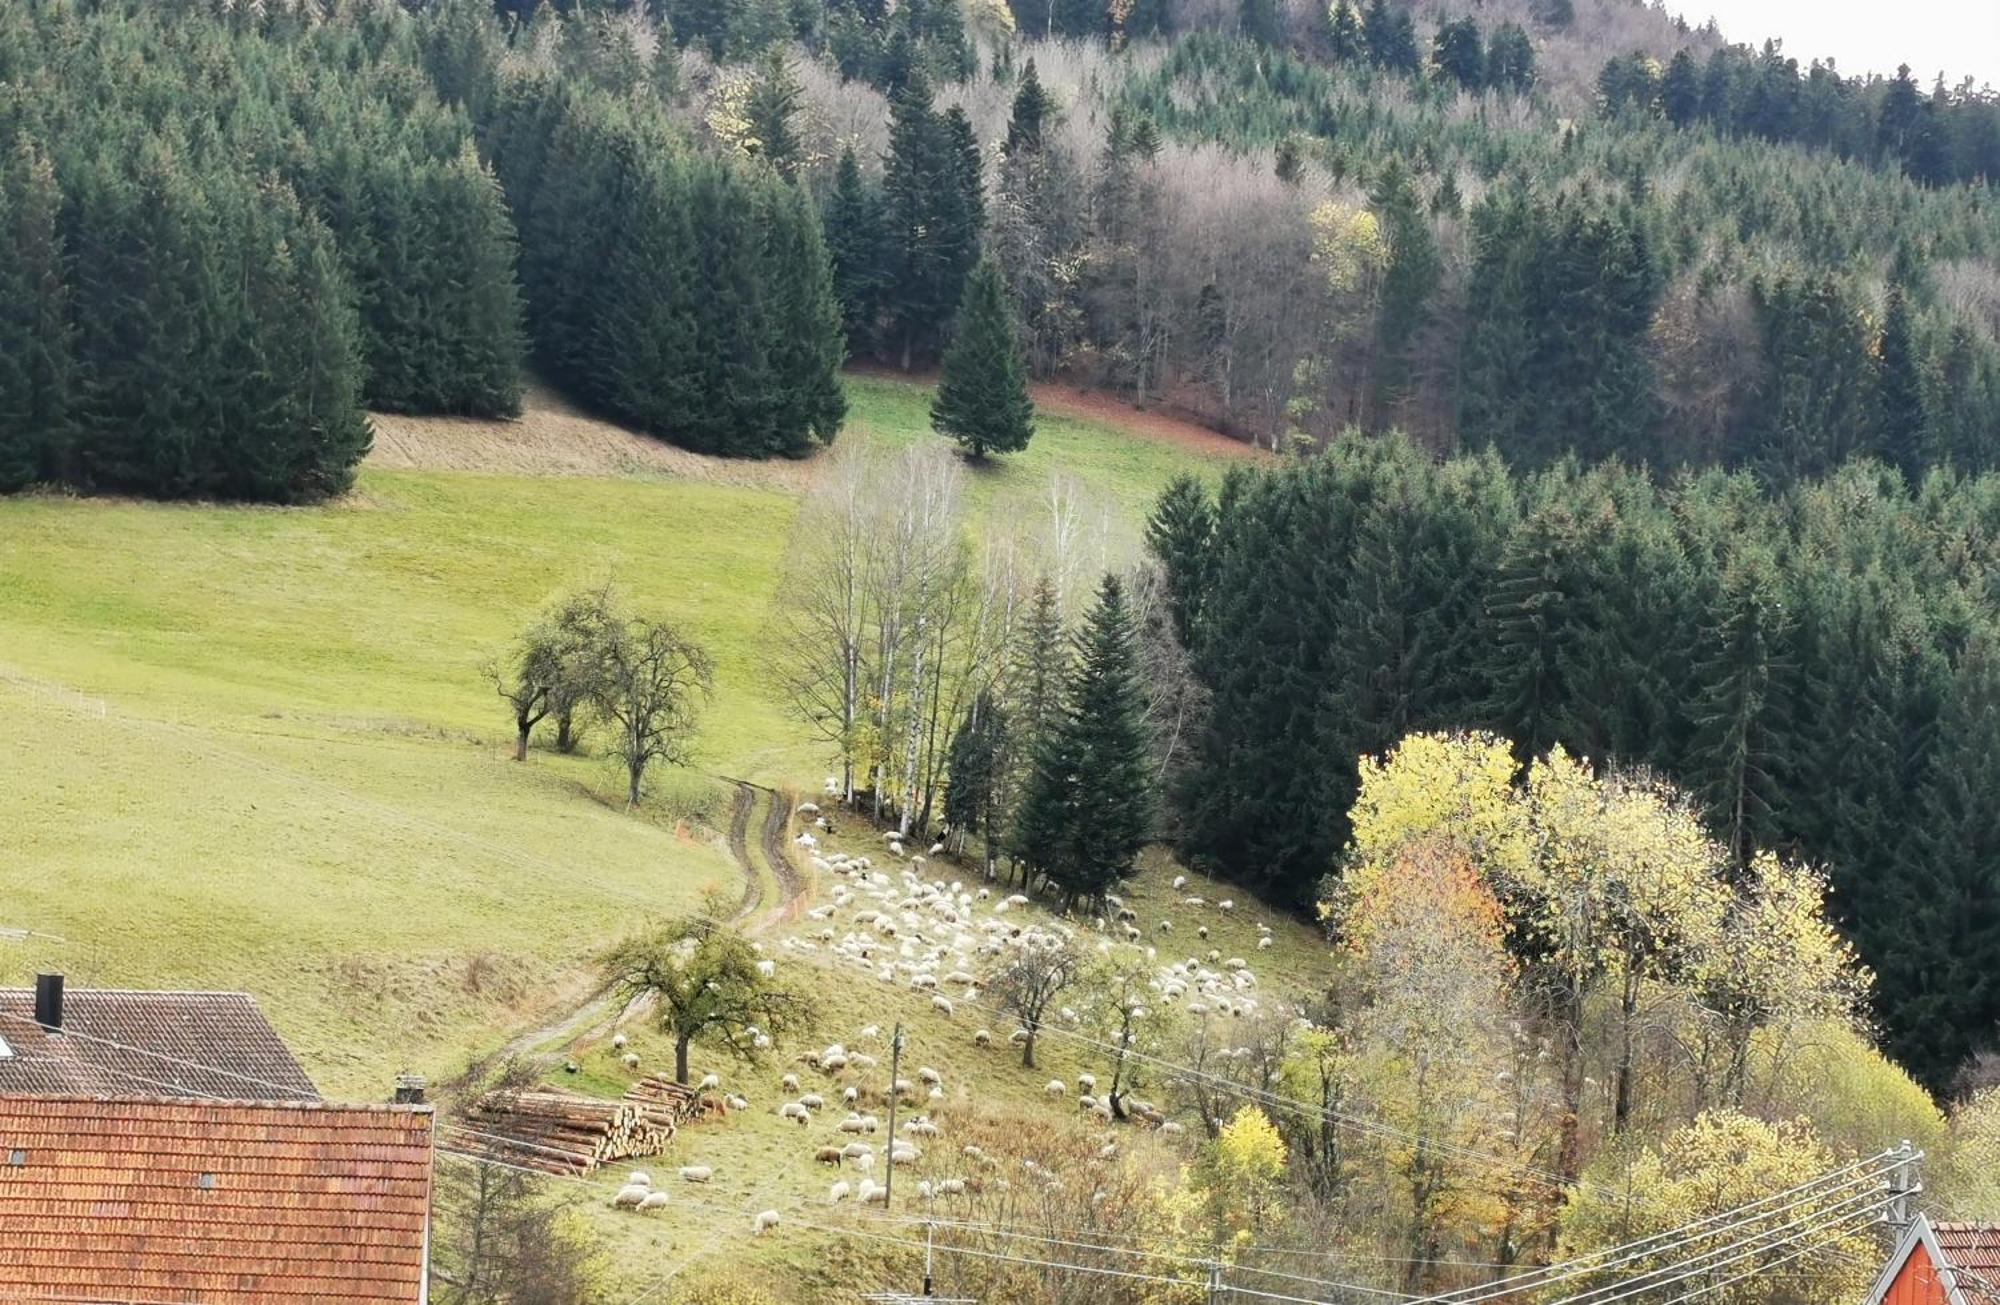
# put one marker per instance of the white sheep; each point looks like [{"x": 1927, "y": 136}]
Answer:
[
  {"x": 929, "y": 1075},
  {"x": 837, "y": 1191},
  {"x": 1226, "y": 904},
  {"x": 765, "y": 969},
  {"x": 870, "y": 1194},
  {"x": 638, "y": 1178},
  {"x": 903, "y": 1153},
  {"x": 631, "y": 1059},
  {"x": 618, "y": 1041},
  {"x": 709, "y": 1082},
  {"x": 793, "y": 1110},
  {"x": 764, "y": 1221},
  {"x": 789, "y": 1083},
  {"x": 951, "y": 1187},
  {"x": 1180, "y": 882},
  {"x": 942, "y": 1005},
  {"x": 855, "y": 1150},
  {"x": 653, "y": 1201},
  {"x": 1264, "y": 943},
  {"x": 982, "y": 1038},
  {"x": 813, "y": 1101},
  {"x": 696, "y": 1173},
  {"x": 849, "y": 1096},
  {"x": 630, "y": 1194},
  {"x": 735, "y": 1102},
  {"x": 1054, "y": 1087}
]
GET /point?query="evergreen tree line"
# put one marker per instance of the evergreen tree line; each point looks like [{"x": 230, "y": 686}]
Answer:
[
  {"x": 685, "y": 293},
  {"x": 231, "y": 235},
  {"x": 1819, "y": 667},
  {"x": 902, "y": 249},
  {"x": 1939, "y": 138}
]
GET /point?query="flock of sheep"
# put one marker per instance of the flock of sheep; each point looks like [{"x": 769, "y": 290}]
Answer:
[{"x": 931, "y": 936}]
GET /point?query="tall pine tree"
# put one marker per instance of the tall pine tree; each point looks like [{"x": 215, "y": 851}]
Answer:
[{"x": 982, "y": 395}]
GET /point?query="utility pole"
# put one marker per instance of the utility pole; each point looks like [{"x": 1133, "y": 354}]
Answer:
[
  {"x": 1903, "y": 1184},
  {"x": 930, "y": 1228},
  {"x": 1215, "y": 1282},
  {"x": 895, "y": 1072}
]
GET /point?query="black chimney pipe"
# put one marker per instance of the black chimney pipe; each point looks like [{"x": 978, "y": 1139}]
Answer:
[{"x": 48, "y": 1001}]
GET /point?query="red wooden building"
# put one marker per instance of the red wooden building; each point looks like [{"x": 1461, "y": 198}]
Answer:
[{"x": 1942, "y": 1264}]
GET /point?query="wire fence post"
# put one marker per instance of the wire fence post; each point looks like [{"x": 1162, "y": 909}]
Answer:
[
  {"x": 1215, "y": 1282},
  {"x": 895, "y": 1070}
]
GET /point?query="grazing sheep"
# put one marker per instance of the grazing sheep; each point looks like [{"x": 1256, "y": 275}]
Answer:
[
  {"x": 1201, "y": 931},
  {"x": 638, "y": 1178},
  {"x": 696, "y": 1173},
  {"x": 630, "y": 1194},
  {"x": 1017, "y": 1037},
  {"x": 855, "y": 1150},
  {"x": 936, "y": 1094},
  {"x": 850, "y": 1096},
  {"x": 982, "y": 1038},
  {"x": 1226, "y": 904},
  {"x": 764, "y": 1221},
  {"x": 872, "y": 1195},
  {"x": 1264, "y": 943},
  {"x": 1108, "y": 1150},
  {"x": 1172, "y": 1126},
  {"x": 903, "y": 1153},
  {"x": 766, "y": 969},
  {"x": 808, "y": 808},
  {"x": 793, "y": 1110},
  {"x": 837, "y": 1191},
  {"x": 1088, "y": 1082},
  {"x": 828, "y": 1155},
  {"x": 735, "y": 1102},
  {"x": 653, "y": 1201},
  {"x": 709, "y": 1082},
  {"x": 942, "y": 1005},
  {"x": 951, "y": 1187},
  {"x": 1086, "y": 1102},
  {"x": 631, "y": 1059},
  {"x": 929, "y": 1075},
  {"x": 813, "y": 1101},
  {"x": 618, "y": 1041},
  {"x": 1054, "y": 1087},
  {"x": 1180, "y": 882},
  {"x": 789, "y": 1083},
  {"x": 865, "y": 1163},
  {"x": 1166, "y": 926}
]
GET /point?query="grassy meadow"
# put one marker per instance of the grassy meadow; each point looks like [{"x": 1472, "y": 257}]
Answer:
[{"x": 253, "y": 748}]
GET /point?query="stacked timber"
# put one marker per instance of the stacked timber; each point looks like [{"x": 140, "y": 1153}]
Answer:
[
  {"x": 564, "y": 1133},
  {"x": 684, "y": 1101}
]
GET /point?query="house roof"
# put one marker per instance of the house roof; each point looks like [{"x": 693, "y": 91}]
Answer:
[
  {"x": 1963, "y": 1259},
  {"x": 177, "y": 1044},
  {"x": 144, "y": 1199}
]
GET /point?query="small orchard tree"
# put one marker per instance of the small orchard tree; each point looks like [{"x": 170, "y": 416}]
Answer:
[
  {"x": 523, "y": 679},
  {"x": 578, "y": 631},
  {"x": 1122, "y": 1011},
  {"x": 703, "y": 979},
  {"x": 1039, "y": 971},
  {"x": 651, "y": 685},
  {"x": 982, "y": 396}
]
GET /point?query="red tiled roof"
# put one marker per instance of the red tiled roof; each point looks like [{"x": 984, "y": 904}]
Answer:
[
  {"x": 102, "y": 1200},
  {"x": 176, "y": 1044},
  {"x": 1974, "y": 1247}
]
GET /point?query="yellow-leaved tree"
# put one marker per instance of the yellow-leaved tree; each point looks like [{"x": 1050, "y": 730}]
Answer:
[
  {"x": 1718, "y": 1163},
  {"x": 1245, "y": 1171},
  {"x": 1428, "y": 942}
]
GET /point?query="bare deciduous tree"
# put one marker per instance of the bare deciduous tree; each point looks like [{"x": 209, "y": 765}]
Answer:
[
  {"x": 1036, "y": 974},
  {"x": 653, "y": 683}
]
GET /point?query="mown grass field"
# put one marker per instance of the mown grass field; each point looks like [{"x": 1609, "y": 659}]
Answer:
[{"x": 253, "y": 748}]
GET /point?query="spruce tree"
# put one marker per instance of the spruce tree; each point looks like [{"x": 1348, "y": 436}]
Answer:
[
  {"x": 857, "y": 246},
  {"x": 774, "y": 102},
  {"x": 1680, "y": 90},
  {"x": 1088, "y": 806},
  {"x": 1180, "y": 534},
  {"x": 1034, "y": 111},
  {"x": 974, "y": 775},
  {"x": 1510, "y": 60},
  {"x": 1457, "y": 55},
  {"x": 34, "y": 320},
  {"x": 1408, "y": 282},
  {"x": 982, "y": 395},
  {"x": 1740, "y": 717},
  {"x": 1344, "y": 37},
  {"x": 1901, "y": 426}
]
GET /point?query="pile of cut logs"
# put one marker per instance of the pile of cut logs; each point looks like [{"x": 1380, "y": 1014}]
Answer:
[{"x": 563, "y": 1133}]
